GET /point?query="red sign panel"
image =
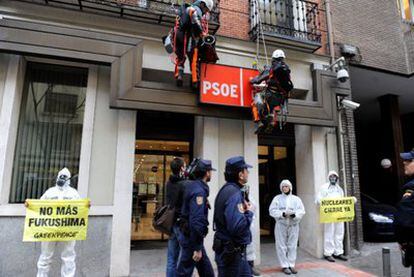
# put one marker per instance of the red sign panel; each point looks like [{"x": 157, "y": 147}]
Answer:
[{"x": 226, "y": 85}]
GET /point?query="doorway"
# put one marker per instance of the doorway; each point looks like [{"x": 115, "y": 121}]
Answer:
[
  {"x": 160, "y": 138},
  {"x": 276, "y": 163},
  {"x": 151, "y": 172}
]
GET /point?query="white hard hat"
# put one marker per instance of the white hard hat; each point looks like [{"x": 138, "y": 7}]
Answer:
[
  {"x": 209, "y": 4},
  {"x": 278, "y": 54}
]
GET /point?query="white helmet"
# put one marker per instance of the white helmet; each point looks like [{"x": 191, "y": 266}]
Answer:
[
  {"x": 278, "y": 54},
  {"x": 209, "y": 4}
]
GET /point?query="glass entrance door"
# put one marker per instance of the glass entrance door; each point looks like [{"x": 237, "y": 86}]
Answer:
[
  {"x": 151, "y": 172},
  {"x": 276, "y": 162}
]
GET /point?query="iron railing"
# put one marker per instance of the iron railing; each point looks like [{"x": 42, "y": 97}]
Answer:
[
  {"x": 162, "y": 12},
  {"x": 290, "y": 19}
]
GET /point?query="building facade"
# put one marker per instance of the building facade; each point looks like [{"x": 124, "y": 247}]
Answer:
[
  {"x": 382, "y": 80},
  {"x": 88, "y": 85}
]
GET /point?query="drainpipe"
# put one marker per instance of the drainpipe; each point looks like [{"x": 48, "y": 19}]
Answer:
[
  {"x": 330, "y": 31},
  {"x": 340, "y": 131}
]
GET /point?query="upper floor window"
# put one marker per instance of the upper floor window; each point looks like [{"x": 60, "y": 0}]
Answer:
[{"x": 407, "y": 9}]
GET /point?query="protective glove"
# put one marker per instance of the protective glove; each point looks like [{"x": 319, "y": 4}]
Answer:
[
  {"x": 293, "y": 215},
  {"x": 284, "y": 214}
]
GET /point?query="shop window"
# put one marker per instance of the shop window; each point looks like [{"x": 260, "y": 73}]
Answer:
[
  {"x": 50, "y": 128},
  {"x": 407, "y": 9}
]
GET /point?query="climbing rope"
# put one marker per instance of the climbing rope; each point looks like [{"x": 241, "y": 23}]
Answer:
[{"x": 260, "y": 35}]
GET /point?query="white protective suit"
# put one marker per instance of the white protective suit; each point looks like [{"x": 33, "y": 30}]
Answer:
[
  {"x": 333, "y": 232},
  {"x": 68, "y": 255},
  {"x": 250, "y": 248},
  {"x": 286, "y": 228}
]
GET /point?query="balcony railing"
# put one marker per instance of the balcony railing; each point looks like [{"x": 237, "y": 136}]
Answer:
[
  {"x": 160, "y": 12},
  {"x": 293, "y": 22}
]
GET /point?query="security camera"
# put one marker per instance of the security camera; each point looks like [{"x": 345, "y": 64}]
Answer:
[
  {"x": 348, "y": 104},
  {"x": 342, "y": 75}
]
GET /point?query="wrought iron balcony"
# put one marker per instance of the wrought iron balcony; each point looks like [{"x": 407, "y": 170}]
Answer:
[
  {"x": 161, "y": 12},
  {"x": 294, "y": 23}
]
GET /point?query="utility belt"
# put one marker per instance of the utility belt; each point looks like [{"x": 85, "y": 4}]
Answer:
[{"x": 228, "y": 250}]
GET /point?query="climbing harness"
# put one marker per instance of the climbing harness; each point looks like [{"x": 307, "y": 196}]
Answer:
[{"x": 263, "y": 96}]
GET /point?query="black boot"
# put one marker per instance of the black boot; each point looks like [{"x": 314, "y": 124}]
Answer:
[
  {"x": 330, "y": 259},
  {"x": 286, "y": 270},
  {"x": 341, "y": 257},
  {"x": 179, "y": 79}
]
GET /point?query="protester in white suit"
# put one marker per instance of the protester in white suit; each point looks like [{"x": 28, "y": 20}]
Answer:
[
  {"x": 61, "y": 191},
  {"x": 333, "y": 232},
  {"x": 288, "y": 210}
]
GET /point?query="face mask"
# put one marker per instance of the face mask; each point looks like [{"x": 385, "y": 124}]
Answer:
[
  {"x": 61, "y": 181},
  {"x": 333, "y": 180}
]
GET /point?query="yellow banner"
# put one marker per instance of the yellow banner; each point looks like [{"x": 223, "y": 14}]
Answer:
[
  {"x": 337, "y": 209},
  {"x": 56, "y": 220}
]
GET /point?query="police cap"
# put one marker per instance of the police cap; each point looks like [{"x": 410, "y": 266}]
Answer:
[{"x": 235, "y": 164}]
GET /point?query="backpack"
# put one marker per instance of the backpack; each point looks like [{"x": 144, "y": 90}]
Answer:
[
  {"x": 164, "y": 218},
  {"x": 282, "y": 73}
]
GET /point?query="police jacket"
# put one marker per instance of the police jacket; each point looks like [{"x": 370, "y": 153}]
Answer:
[
  {"x": 404, "y": 217},
  {"x": 195, "y": 211},
  {"x": 409, "y": 186},
  {"x": 231, "y": 219},
  {"x": 174, "y": 193}
]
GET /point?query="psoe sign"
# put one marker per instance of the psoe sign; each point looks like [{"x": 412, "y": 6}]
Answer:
[{"x": 226, "y": 85}]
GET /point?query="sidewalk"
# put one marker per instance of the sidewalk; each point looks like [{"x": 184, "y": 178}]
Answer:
[{"x": 151, "y": 263}]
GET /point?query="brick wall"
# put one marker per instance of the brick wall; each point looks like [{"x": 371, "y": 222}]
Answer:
[
  {"x": 352, "y": 176},
  {"x": 375, "y": 27},
  {"x": 409, "y": 43},
  {"x": 234, "y": 19}
]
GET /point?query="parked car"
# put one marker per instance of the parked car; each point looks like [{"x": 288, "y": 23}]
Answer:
[{"x": 377, "y": 219}]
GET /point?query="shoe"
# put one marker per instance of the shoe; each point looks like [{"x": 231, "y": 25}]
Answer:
[
  {"x": 179, "y": 79},
  {"x": 286, "y": 270},
  {"x": 293, "y": 270},
  {"x": 341, "y": 257},
  {"x": 260, "y": 127},
  {"x": 256, "y": 272},
  {"x": 194, "y": 86},
  {"x": 330, "y": 259}
]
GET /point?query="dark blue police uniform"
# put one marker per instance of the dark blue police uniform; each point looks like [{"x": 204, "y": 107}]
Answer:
[
  {"x": 194, "y": 215},
  {"x": 232, "y": 225}
]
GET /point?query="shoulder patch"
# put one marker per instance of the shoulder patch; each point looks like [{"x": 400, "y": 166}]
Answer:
[
  {"x": 241, "y": 208},
  {"x": 199, "y": 200}
]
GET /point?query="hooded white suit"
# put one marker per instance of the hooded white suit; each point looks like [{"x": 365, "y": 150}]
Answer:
[
  {"x": 333, "y": 232},
  {"x": 286, "y": 228},
  {"x": 68, "y": 255}
]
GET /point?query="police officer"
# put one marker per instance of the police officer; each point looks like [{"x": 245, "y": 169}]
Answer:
[
  {"x": 232, "y": 219},
  {"x": 194, "y": 222}
]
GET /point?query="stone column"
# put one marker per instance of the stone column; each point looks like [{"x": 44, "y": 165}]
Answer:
[{"x": 217, "y": 140}]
